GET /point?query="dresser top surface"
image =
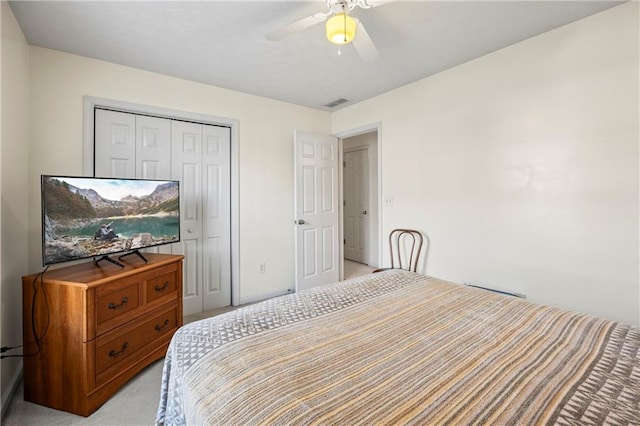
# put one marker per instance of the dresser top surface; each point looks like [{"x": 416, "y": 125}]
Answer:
[{"x": 88, "y": 273}]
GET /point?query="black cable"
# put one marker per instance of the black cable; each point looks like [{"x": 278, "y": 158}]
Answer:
[{"x": 33, "y": 317}]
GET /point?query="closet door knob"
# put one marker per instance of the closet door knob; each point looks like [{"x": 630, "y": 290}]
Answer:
[{"x": 300, "y": 222}]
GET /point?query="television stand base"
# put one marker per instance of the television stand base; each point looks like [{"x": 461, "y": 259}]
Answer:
[
  {"x": 137, "y": 253},
  {"x": 108, "y": 259}
]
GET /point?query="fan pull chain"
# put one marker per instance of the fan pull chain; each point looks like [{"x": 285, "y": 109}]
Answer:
[{"x": 345, "y": 25}]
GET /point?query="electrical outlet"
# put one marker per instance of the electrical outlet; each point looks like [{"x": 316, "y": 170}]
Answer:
[
  {"x": 388, "y": 201},
  {"x": 262, "y": 268}
]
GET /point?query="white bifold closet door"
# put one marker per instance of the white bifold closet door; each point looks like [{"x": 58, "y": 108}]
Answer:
[
  {"x": 201, "y": 161},
  {"x": 198, "y": 155},
  {"x": 129, "y": 145}
]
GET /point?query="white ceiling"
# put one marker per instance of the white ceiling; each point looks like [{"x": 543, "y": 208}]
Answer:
[{"x": 224, "y": 44}]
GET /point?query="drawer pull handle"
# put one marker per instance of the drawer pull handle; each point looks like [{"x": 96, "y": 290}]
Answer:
[
  {"x": 114, "y": 354},
  {"x": 164, "y": 287},
  {"x": 162, "y": 327},
  {"x": 114, "y": 306}
]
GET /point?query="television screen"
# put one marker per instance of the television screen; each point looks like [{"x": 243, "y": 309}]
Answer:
[{"x": 95, "y": 217}]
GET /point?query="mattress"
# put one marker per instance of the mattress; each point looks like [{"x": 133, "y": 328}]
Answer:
[{"x": 400, "y": 348}]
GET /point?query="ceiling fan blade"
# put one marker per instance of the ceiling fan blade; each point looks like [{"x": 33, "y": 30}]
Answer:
[
  {"x": 366, "y": 4},
  {"x": 363, "y": 43},
  {"x": 297, "y": 26}
]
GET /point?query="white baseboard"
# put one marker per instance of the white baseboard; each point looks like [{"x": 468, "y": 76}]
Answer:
[{"x": 7, "y": 395}]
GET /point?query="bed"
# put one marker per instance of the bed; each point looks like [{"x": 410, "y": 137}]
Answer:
[{"x": 401, "y": 348}]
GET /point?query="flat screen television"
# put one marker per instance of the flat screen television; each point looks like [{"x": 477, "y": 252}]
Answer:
[{"x": 96, "y": 217}]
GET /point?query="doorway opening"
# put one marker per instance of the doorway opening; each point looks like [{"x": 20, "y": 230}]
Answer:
[{"x": 360, "y": 195}]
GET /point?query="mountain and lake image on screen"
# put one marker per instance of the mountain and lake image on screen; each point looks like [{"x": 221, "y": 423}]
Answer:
[{"x": 93, "y": 217}]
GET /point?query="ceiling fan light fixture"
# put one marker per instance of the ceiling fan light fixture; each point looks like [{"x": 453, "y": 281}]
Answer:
[{"x": 341, "y": 28}]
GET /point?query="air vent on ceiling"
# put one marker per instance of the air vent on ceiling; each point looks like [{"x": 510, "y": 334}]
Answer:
[{"x": 337, "y": 102}]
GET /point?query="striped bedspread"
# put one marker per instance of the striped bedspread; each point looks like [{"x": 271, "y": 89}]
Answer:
[{"x": 401, "y": 348}]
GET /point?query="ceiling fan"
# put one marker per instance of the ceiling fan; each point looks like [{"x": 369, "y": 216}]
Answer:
[{"x": 341, "y": 27}]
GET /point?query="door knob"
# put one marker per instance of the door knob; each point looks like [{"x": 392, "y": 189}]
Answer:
[
  {"x": 364, "y": 212},
  {"x": 300, "y": 222}
]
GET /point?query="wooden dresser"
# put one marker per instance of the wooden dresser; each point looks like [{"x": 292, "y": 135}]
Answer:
[{"x": 102, "y": 324}]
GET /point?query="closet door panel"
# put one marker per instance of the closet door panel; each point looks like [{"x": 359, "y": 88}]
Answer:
[
  {"x": 115, "y": 148},
  {"x": 153, "y": 155},
  {"x": 213, "y": 271},
  {"x": 190, "y": 271},
  {"x": 186, "y": 166},
  {"x": 153, "y": 147},
  {"x": 216, "y": 252}
]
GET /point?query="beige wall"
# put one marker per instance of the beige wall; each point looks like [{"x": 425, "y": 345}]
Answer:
[
  {"x": 527, "y": 166},
  {"x": 58, "y": 83},
  {"x": 14, "y": 186}
]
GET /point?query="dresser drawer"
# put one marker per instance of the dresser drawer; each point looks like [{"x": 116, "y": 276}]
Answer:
[
  {"x": 117, "y": 301},
  {"x": 161, "y": 286},
  {"x": 124, "y": 343}
]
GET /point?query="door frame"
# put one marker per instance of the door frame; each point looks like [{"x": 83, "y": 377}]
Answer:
[
  {"x": 91, "y": 102},
  {"x": 369, "y": 128}
]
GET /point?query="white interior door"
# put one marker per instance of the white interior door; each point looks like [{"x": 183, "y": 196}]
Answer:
[
  {"x": 356, "y": 205},
  {"x": 316, "y": 210}
]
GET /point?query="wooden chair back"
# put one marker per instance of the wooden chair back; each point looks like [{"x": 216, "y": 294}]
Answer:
[{"x": 405, "y": 246}]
